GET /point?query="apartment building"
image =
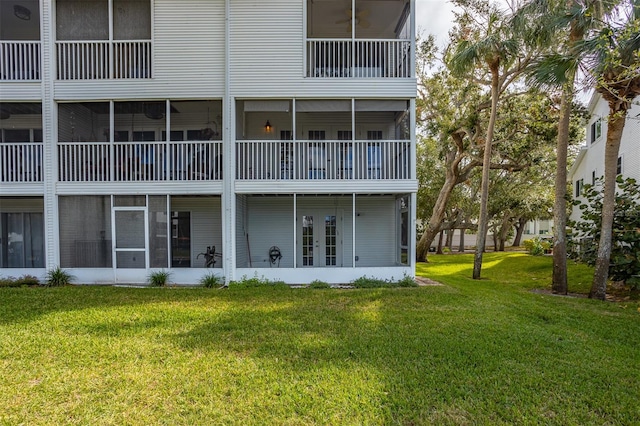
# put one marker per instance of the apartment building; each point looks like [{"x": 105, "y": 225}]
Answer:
[{"x": 271, "y": 138}]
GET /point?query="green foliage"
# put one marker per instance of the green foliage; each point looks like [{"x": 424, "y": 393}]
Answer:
[
  {"x": 537, "y": 246},
  {"x": 625, "y": 244},
  {"x": 25, "y": 280},
  {"x": 371, "y": 282},
  {"x": 159, "y": 278},
  {"x": 211, "y": 280},
  {"x": 58, "y": 277},
  {"x": 318, "y": 284},
  {"x": 246, "y": 282}
]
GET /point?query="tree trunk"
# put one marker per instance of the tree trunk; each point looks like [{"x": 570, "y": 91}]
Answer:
[
  {"x": 495, "y": 240},
  {"x": 559, "y": 279},
  {"x": 437, "y": 214},
  {"x": 486, "y": 166},
  {"x": 440, "y": 238},
  {"x": 461, "y": 246},
  {"x": 617, "y": 116},
  {"x": 450, "y": 239},
  {"x": 519, "y": 230}
]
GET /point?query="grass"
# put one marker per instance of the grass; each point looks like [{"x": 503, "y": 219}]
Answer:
[{"x": 468, "y": 352}]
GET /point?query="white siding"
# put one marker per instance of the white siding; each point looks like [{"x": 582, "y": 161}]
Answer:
[
  {"x": 592, "y": 158},
  {"x": 267, "y": 40},
  {"x": 270, "y": 223},
  {"x": 376, "y": 225}
]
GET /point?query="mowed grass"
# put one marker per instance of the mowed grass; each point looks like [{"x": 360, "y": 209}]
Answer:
[{"x": 467, "y": 352}]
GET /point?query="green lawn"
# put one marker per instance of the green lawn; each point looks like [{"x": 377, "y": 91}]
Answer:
[{"x": 468, "y": 352}]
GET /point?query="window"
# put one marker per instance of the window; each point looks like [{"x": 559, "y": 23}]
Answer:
[
  {"x": 619, "y": 166},
  {"x": 596, "y": 130},
  {"x": 181, "y": 239},
  {"x": 579, "y": 185},
  {"x": 21, "y": 240},
  {"x": 593, "y": 177}
]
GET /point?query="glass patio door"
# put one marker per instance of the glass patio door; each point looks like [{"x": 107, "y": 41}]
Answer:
[
  {"x": 319, "y": 240},
  {"x": 130, "y": 241}
]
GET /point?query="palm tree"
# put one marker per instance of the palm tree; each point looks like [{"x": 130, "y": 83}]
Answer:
[
  {"x": 613, "y": 59},
  {"x": 545, "y": 22},
  {"x": 490, "y": 44}
]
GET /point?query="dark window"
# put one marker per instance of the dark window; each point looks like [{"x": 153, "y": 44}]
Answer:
[
  {"x": 579, "y": 184},
  {"x": 619, "y": 166},
  {"x": 181, "y": 239},
  {"x": 596, "y": 130}
]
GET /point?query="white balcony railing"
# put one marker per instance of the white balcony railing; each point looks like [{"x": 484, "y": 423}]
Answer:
[
  {"x": 19, "y": 60},
  {"x": 140, "y": 161},
  {"x": 21, "y": 162},
  {"x": 358, "y": 58},
  {"x": 99, "y": 60},
  {"x": 324, "y": 160}
]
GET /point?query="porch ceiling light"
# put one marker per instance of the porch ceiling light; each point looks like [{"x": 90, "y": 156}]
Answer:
[
  {"x": 21, "y": 12},
  {"x": 267, "y": 127}
]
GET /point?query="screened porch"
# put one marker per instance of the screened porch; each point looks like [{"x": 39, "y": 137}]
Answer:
[
  {"x": 149, "y": 141},
  {"x": 358, "y": 39},
  {"x": 342, "y": 139}
]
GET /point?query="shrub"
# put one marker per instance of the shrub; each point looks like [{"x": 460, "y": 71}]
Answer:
[
  {"x": 159, "y": 278},
  {"x": 319, "y": 284},
  {"x": 537, "y": 246},
  {"x": 58, "y": 277},
  {"x": 25, "y": 280},
  {"x": 246, "y": 282},
  {"x": 624, "y": 264},
  {"x": 211, "y": 280},
  {"x": 371, "y": 282}
]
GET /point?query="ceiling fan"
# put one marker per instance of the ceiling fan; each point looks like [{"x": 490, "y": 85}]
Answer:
[{"x": 360, "y": 19}]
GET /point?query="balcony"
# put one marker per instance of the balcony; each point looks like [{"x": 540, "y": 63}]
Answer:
[
  {"x": 323, "y": 160},
  {"x": 19, "y": 60},
  {"x": 103, "y": 39},
  {"x": 358, "y": 39},
  {"x": 339, "y": 58},
  {"x": 21, "y": 162},
  {"x": 101, "y": 60},
  {"x": 140, "y": 162}
]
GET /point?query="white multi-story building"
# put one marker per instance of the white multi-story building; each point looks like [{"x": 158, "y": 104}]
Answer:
[
  {"x": 589, "y": 164},
  {"x": 139, "y": 134}
]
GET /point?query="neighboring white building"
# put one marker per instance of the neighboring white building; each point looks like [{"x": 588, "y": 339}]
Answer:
[
  {"x": 136, "y": 134},
  {"x": 589, "y": 164}
]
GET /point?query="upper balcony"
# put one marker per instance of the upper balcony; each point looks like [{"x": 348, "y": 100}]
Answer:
[
  {"x": 366, "y": 39},
  {"x": 20, "y": 40},
  {"x": 21, "y": 143},
  {"x": 324, "y": 140},
  {"x": 148, "y": 142},
  {"x": 103, "y": 39}
]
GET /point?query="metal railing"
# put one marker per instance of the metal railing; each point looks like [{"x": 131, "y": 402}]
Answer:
[
  {"x": 19, "y": 60},
  {"x": 21, "y": 162},
  {"x": 345, "y": 58},
  {"x": 99, "y": 60},
  {"x": 139, "y": 161},
  {"x": 324, "y": 160}
]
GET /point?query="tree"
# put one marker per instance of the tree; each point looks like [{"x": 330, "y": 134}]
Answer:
[
  {"x": 625, "y": 247},
  {"x": 613, "y": 59},
  {"x": 486, "y": 43},
  {"x": 605, "y": 50}
]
